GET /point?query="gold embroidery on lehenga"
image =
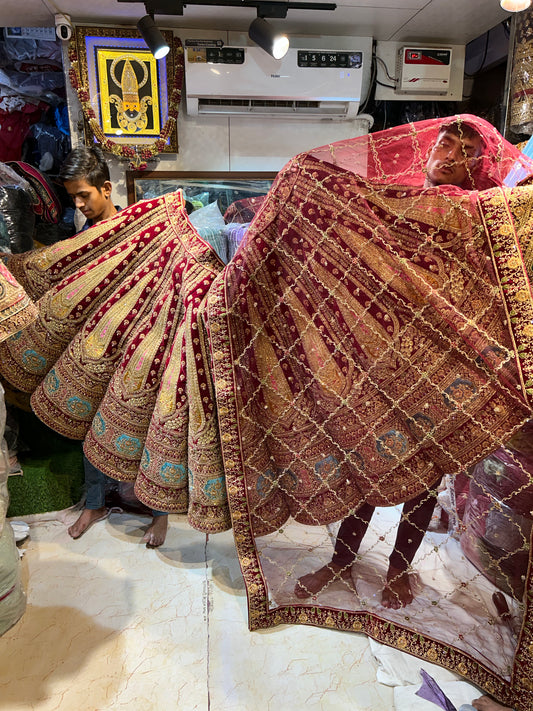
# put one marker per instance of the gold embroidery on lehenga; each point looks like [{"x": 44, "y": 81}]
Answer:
[
  {"x": 369, "y": 347},
  {"x": 366, "y": 339},
  {"x": 99, "y": 339}
]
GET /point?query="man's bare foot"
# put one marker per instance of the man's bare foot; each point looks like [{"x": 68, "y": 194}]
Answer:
[
  {"x": 397, "y": 591},
  {"x": 313, "y": 583},
  {"x": 86, "y": 520},
  {"x": 14, "y": 465},
  {"x": 485, "y": 703},
  {"x": 157, "y": 532}
]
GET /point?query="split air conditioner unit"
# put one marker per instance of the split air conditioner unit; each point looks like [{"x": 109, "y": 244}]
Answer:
[{"x": 246, "y": 81}]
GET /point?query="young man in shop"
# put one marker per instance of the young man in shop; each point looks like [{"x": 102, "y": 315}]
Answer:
[
  {"x": 85, "y": 176},
  {"x": 452, "y": 161}
]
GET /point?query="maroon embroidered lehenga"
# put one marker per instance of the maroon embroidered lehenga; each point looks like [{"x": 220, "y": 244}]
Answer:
[
  {"x": 369, "y": 340},
  {"x": 119, "y": 357}
]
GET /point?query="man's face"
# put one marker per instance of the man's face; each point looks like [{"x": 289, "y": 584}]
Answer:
[
  {"x": 451, "y": 159},
  {"x": 93, "y": 202}
]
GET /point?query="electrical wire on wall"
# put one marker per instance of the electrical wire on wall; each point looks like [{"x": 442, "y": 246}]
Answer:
[
  {"x": 373, "y": 72},
  {"x": 374, "y": 81},
  {"x": 394, "y": 79}
]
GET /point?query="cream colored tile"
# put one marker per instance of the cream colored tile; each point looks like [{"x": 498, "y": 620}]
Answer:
[
  {"x": 111, "y": 625},
  {"x": 292, "y": 668},
  {"x": 286, "y": 667}
]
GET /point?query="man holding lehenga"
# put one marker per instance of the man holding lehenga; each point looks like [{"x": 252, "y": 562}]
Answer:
[{"x": 358, "y": 345}]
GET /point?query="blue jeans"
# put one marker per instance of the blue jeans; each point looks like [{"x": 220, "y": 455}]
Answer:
[{"x": 95, "y": 483}]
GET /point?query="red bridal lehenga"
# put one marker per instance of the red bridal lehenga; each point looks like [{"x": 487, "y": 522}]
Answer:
[
  {"x": 119, "y": 357},
  {"x": 369, "y": 343},
  {"x": 372, "y": 343}
]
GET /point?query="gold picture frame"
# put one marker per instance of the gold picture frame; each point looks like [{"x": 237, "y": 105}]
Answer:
[{"x": 125, "y": 90}]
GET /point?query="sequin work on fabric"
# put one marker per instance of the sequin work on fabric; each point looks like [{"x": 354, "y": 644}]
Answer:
[
  {"x": 114, "y": 342},
  {"x": 16, "y": 309},
  {"x": 371, "y": 341},
  {"x": 354, "y": 388}
]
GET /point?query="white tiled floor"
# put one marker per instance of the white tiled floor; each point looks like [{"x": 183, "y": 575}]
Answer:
[{"x": 113, "y": 626}]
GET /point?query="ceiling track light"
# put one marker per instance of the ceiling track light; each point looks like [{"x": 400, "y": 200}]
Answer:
[
  {"x": 152, "y": 36},
  {"x": 266, "y": 37},
  {"x": 260, "y": 32},
  {"x": 265, "y": 8},
  {"x": 515, "y": 5}
]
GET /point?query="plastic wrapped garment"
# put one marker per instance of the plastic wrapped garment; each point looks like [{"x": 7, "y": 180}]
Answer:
[
  {"x": 234, "y": 233},
  {"x": 12, "y": 598},
  {"x": 208, "y": 222},
  {"x": 17, "y": 219},
  {"x": 20, "y": 49},
  {"x": 498, "y": 516},
  {"x": 32, "y": 84}
]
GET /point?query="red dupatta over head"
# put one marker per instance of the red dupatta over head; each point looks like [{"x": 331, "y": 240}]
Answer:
[{"x": 399, "y": 155}]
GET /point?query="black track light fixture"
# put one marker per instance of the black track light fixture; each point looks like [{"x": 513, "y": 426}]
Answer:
[
  {"x": 264, "y": 8},
  {"x": 153, "y": 37},
  {"x": 260, "y": 31},
  {"x": 265, "y": 36}
]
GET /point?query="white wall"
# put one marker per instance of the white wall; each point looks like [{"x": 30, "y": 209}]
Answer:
[{"x": 236, "y": 143}]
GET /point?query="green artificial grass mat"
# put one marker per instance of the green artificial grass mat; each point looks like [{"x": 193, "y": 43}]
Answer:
[{"x": 52, "y": 470}]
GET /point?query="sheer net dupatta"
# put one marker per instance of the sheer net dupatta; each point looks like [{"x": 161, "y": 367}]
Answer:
[
  {"x": 399, "y": 155},
  {"x": 367, "y": 349}
]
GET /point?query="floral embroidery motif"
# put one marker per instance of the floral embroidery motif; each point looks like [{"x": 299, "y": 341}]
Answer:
[
  {"x": 52, "y": 382},
  {"x": 173, "y": 473},
  {"x": 99, "y": 427},
  {"x": 78, "y": 407},
  {"x": 34, "y": 362},
  {"x": 128, "y": 446},
  {"x": 391, "y": 445}
]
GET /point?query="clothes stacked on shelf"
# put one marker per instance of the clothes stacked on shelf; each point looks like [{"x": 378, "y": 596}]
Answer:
[
  {"x": 33, "y": 106},
  {"x": 224, "y": 232}
]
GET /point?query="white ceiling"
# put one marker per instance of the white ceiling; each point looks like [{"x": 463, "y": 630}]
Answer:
[{"x": 451, "y": 21}]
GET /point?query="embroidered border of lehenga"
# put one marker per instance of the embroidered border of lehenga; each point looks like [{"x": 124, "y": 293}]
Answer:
[{"x": 16, "y": 308}]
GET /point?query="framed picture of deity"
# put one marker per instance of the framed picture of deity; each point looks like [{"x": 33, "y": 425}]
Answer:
[{"x": 129, "y": 99}]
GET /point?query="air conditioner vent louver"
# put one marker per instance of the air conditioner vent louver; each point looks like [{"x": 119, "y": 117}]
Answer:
[
  {"x": 267, "y": 107},
  {"x": 254, "y": 103}
]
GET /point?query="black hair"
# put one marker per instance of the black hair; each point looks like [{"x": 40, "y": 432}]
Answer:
[
  {"x": 462, "y": 130},
  {"x": 88, "y": 164}
]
